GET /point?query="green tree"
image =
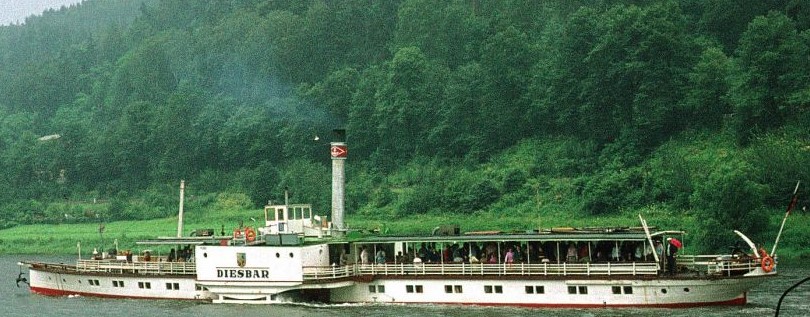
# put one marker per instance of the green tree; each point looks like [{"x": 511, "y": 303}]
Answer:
[{"x": 767, "y": 75}]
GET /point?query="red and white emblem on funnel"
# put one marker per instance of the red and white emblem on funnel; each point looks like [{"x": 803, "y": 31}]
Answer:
[{"x": 339, "y": 150}]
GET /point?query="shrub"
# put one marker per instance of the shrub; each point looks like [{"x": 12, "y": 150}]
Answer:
[{"x": 730, "y": 198}]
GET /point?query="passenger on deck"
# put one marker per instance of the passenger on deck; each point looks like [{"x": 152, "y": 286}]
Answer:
[
  {"x": 364, "y": 256},
  {"x": 475, "y": 251},
  {"x": 541, "y": 254},
  {"x": 417, "y": 261},
  {"x": 671, "y": 251},
  {"x": 509, "y": 258},
  {"x": 344, "y": 258},
  {"x": 614, "y": 252},
  {"x": 380, "y": 257},
  {"x": 571, "y": 255},
  {"x": 172, "y": 256},
  {"x": 519, "y": 257},
  {"x": 584, "y": 253},
  {"x": 446, "y": 254},
  {"x": 458, "y": 255}
]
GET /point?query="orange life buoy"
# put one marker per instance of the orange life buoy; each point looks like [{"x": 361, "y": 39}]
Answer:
[
  {"x": 767, "y": 263},
  {"x": 250, "y": 235}
]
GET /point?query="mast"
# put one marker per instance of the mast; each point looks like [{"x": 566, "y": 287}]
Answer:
[
  {"x": 180, "y": 213},
  {"x": 790, "y": 207}
]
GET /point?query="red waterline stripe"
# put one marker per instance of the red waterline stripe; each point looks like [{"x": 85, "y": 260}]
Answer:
[{"x": 736, "y": 301}]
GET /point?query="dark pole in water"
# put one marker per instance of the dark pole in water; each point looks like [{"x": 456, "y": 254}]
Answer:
[{"x": 779, "y": 305}]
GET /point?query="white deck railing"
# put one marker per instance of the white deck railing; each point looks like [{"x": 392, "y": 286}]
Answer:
[
  {"x": 518, "y": 269},
  {"x": 719, "y": 264},
  {"x": 144, "y": 268}
]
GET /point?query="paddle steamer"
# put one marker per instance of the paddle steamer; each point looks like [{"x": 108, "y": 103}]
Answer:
[{"x": 295, "y": 255}]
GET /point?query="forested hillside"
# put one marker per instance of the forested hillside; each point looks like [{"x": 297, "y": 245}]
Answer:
[{"x": 697, "y": 108}]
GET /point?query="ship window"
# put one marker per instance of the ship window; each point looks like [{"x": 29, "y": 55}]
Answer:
[
  {"x": 93, "y": 282},
  {"x": 457, "y": 289},
  {"x": 540, "y": 289},
  {"x": 686, "y": 289},
  {"x": 529, "y": 289},
  {"x": 663, "y": 291},
  {"x": 617, "y": 289},
  {"x": 498, "y": 289},
  {"x": 583, "y": 290},
  {"x": 172, "y": 286},
  {"x": 291, "y": 255},
  {"x": 380, "y": 288},
  {"x": 147, "y": 285},
  {"x": 118, "y": 283},
  {"x": 372, "y": 288},
  {"x": 412, "y": 288},
  {"x": 628, "y": 290},
  {"x": 572, "y": 289},
  {"x": 488, "y": 289},
  {"x": 448, "y": 288},
  {"x": 115, "y": 283}
]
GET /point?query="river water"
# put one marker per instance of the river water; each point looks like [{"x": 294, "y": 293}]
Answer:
[{"x": 20, "y": 301}]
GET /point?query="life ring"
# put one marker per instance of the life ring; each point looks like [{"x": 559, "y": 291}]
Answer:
[
  {"x": 767, "y": 263},
  {"x": 250, "y": 235}
]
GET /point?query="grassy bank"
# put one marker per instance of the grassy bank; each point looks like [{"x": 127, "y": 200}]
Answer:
[{"x": 62, "y": 238}]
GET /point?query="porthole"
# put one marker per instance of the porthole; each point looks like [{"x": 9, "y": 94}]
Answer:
[
  {"x": 291, "y": 255},
  {"x": 205, "y": 255},
  {"x": 278, "y": 255},
  {"x": 663, "y": 291},
  {"x": 686, "y": 289}
]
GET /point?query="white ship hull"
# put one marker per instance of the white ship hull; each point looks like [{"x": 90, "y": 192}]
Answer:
[
  {"x": 553, "y": 293},
  {"x": 54, "y": 280}
]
